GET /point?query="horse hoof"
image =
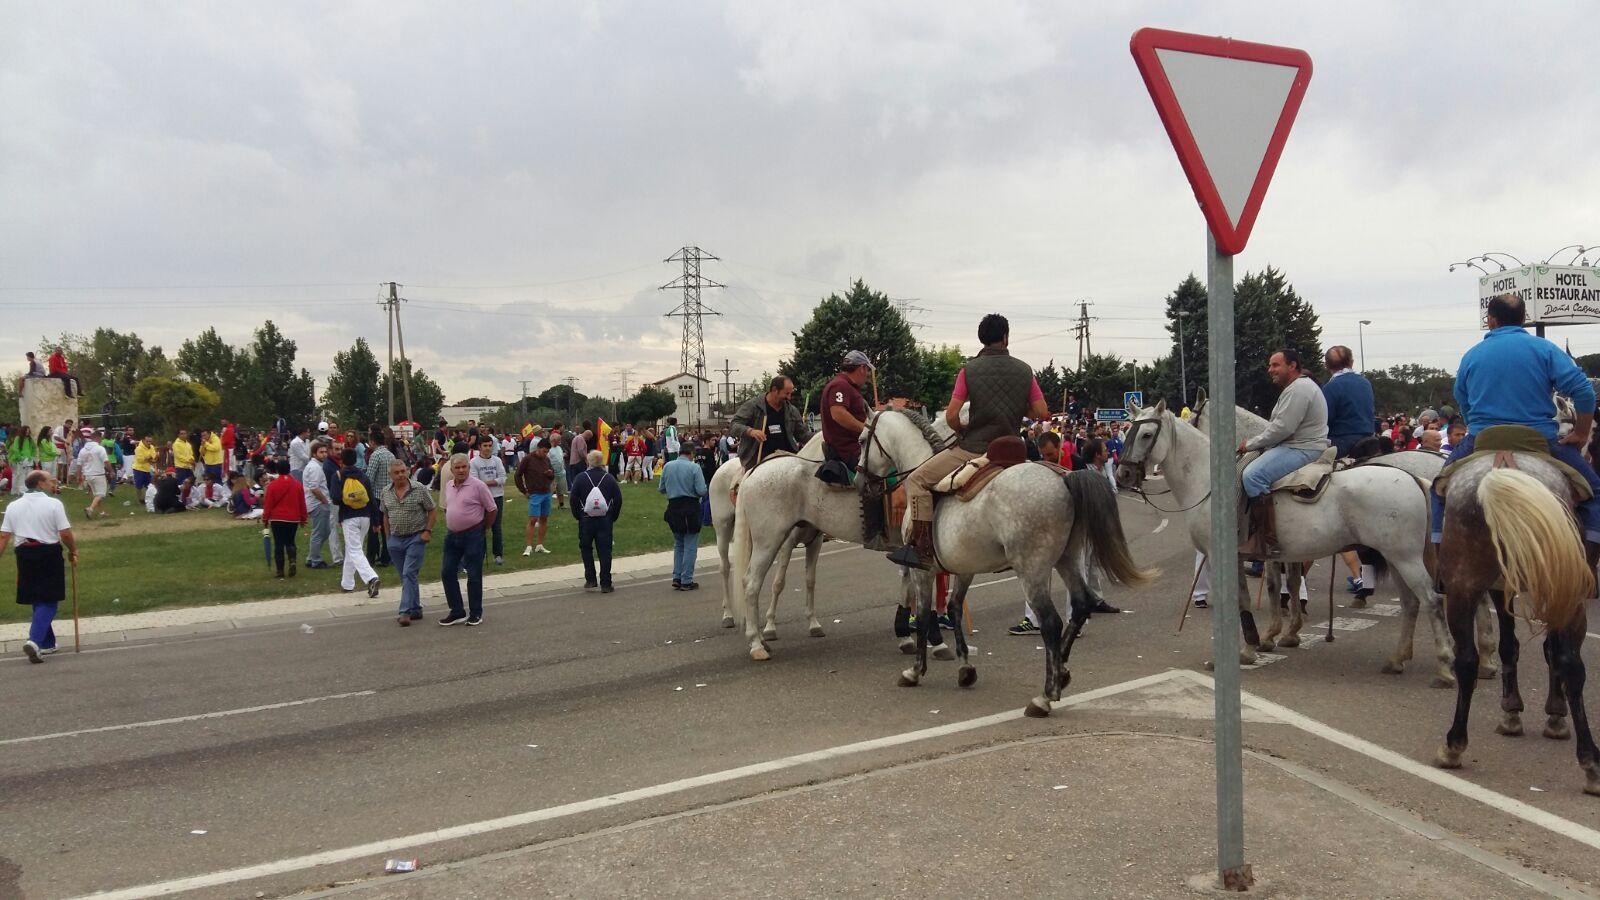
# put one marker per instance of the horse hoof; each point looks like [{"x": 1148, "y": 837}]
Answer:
[
  {"x": 1210, "y": 666},
  {"x": 1292, "y": 640},
  {"x": 816, "y": 631},
  {"x": 760, "y": 654},
  {"x": 908, "y": 645},
  {"x": 1592, "y": 784},
  {"x": 1265, "y": 646},
  {"x": 727, "y": 621},
  {"x": 1064, "y": 680},
  {"x": 944, "y": 651},
  {"x": 1358, "y": 603},
  {"x": 1037, "y": 708},
  {"x": 1510, "y": 726},
  {"x": 1556, "y": 729},
  {"x": 769, "y": 634},
  {"x": 966, "y": 677},
  {"x": 1247, "y": 656},
  {"x": 908, "y": 678},
  {"x": 1447, "y": 759},
  {"x": 1439, "y": 681},
  {"x": 1390, "y": 667}
]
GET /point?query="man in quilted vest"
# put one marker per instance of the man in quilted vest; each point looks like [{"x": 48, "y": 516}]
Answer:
[{"x": 1002, "y": 390}]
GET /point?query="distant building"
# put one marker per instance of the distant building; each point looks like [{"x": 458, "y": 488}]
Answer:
[
  {"x": 458, "y": 415},
  {"x": 693, "y": 394}
]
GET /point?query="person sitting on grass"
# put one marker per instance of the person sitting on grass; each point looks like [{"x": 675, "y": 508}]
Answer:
[
  {"x": 167, "y": 498},
  {"x": 244, "y": 502},
  {"x": 207, "y": 495}
]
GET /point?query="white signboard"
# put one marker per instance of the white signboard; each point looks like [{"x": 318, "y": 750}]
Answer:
[{"x": 1554, "y": 295}]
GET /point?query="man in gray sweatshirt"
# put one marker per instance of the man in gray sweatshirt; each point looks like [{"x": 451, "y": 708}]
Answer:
[{"x": 1296, "y": 436}]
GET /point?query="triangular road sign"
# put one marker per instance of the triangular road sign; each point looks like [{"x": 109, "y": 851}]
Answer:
[{"x": 1227, "y": 106}]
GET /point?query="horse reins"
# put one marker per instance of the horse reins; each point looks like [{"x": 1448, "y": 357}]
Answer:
[{"x": 1133, "y": 432}]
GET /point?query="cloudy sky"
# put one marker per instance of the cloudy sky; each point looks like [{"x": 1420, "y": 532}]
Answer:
[{"x": 524, "y": 168}]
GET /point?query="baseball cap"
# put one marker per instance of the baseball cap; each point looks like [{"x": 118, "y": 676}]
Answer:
[
  {"x": 322, "y": 426},
  {"x": 857, "y": 358}
]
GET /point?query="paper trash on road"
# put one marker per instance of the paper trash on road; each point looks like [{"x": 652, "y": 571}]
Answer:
[
  {"x": 1539, "y": 790},
  {"x": 1059, "y": 787},
  {"x": 678, "y": 688},
  {"x": 307, "y": 629},
  {"x": 198, "y": 831},
  {"x": 399, "y": 865}
]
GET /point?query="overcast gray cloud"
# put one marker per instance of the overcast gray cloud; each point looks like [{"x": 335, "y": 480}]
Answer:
[{"x": 523, "y": 168}]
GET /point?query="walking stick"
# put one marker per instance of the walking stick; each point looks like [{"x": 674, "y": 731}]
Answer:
[
  {"x": 1333, "y": 568},
  {"x": 77, "y": 644},
  {"x": 1190, "y": 597},
  {"x": 1262, "y": 587},
  {"x": 874, "y": 387}
]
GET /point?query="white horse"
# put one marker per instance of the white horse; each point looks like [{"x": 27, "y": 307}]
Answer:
[
  {"x": 1028, "y": 518},
  {"x": 1368, "y": 505},
  {"x": 1420, "y": 464}
]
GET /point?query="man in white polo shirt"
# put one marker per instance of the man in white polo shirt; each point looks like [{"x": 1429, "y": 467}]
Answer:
[
  {"x": 92, "y": 466},
  {"x": 37, "y": 524}
]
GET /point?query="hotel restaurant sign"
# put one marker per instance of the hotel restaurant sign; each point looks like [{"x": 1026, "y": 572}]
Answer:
[{"x": 1554, "y": 295}]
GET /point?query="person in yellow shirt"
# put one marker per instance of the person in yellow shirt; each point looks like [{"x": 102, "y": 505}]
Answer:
[
  {"x": 211, "y": 453},
  {"x": 144, "y": 460},
  {"x": 183, "y": 457}
]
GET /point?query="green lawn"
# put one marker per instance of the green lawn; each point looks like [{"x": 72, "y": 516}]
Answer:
[{"x": 135, "y": 561}]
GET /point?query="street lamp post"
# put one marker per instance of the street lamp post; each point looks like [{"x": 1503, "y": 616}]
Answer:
[
  {"x": 1361, "y": 341},
  {"x": 1183, "y": 369}
]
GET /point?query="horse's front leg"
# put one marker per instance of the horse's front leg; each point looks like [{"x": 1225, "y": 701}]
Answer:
[
  {"x": 780, "y": 579},
  {"x": 918, "y": 585},
  {"x": 761, "y": 558},
  {"x": 1271, "y": 585},
  {"x": 813, "y": 553},
  {"x": 966, "y": 673},
  {"x": 729, "y": 589}
]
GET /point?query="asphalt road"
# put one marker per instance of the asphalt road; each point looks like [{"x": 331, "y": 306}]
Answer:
[{"x": 568, "y": 713}]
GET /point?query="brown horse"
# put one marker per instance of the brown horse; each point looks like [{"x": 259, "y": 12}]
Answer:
[{"x": 1509, "y": 531}]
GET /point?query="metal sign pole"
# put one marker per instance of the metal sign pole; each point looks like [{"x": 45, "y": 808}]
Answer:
[{"x": 1231, "y": 870}]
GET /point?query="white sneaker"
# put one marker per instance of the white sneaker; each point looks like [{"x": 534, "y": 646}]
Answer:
[
  {"x": 527, "y": 551},
  {"x": 542, "y": 549},
  {"x": 32, "y": 651}
]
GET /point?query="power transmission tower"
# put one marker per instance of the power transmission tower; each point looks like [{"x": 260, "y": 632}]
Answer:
[
  {"x": 524, "y": 397},
  {"x": 692, "y": 355},
  {"x": 572, "y": 406},
  {"x": 1082, "y": 330},
  {"x": 727, "y": 383},
  {"x": 909, "y": 310},
  {"x": 624, "y": 375},
  {"x": 392, "y": 305}
]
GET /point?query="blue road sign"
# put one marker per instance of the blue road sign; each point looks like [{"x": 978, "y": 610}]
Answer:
[
  {"x": 1111, "y": 415},
  {"x": 1134, "y": 397}
]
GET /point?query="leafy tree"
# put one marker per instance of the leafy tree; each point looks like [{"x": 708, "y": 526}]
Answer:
[
  {"x": 1589, "y": 363},
  {"x": 353, "y": 395},
  {"x": 940, "y": 366},
  {"x": 1052, "y": 384},
  {"x": 1412, "y": 388},
  {"x": 1100, "y": 381},
  {"x": 209, "y": 360},
  {"x": 107, "y": 364},
  {"x": 179, "y": 403},
  {"x": 649, "y": 405},
  {"x": 273, "y": 379},
  {"x": 865, "y": 320},
  {"x": 427, "y": 397}
]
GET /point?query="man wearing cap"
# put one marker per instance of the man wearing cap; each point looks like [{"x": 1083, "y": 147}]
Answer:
[
  {"x": 769, "y": 423},
  {"x": 1001, "y": 390},
  {"x": 844, "y": 410},
  {"x": 37, "y": 523}
]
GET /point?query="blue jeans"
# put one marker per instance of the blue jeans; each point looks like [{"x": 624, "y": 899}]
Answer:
[
  {"x": 318, "y": 514},
  {"x": 685, "y": 547},
  {"x": 406, "y": 554},
  {"x": 41, "y": 632},
  {"x": 1272, "y": 464},
  {"x": 594, "y": 539},
  {"x": 498, "y": 529},
  {"x": 463, "y": 550},
  {"x": 1588, "y": 512}
]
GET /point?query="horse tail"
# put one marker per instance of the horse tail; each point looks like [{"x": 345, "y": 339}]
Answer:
[
  {"x": 740, "y": 552},
  {"x": 1097, "y": 524},
  {"x": 1537, "y": 545}
]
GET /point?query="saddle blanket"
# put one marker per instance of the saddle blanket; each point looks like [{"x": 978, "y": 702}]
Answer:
[
  {"x": 1306, "y": 483},
  {"x": 975, "y": 474}
]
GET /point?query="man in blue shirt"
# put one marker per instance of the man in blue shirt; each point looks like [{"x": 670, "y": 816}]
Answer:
[
  {"x": 1351, "y": 409},
  {"x": 1510, "y": 378},
  {"x": 684, "y": 483}
]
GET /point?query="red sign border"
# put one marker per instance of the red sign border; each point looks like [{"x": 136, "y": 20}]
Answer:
[{"x": 1231, "y": 237}]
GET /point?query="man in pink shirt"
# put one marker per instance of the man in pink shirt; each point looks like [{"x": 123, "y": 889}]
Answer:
[{"x": 469, "y": 512}]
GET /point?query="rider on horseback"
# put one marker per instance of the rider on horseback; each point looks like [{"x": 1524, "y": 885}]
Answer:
[
  {"x": 769, "y": 423},
  {"x": 1002, "y": 390},
  {"x": 1296, "y": 436},
  {"x": 1510, "y": 378}
]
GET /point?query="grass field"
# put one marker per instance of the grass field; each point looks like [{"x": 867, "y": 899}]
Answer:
[{"x": 134, "y": 561}]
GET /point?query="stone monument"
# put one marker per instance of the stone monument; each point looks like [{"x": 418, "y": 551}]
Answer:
[{"x": 44, "y": 401}]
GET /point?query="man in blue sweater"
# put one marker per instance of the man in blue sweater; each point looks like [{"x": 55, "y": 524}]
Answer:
[
  {"x": 1510, "y": 378},
  {"x": 1351, "y": 410}
]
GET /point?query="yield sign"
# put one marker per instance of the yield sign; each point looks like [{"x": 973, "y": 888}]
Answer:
[{"x": 1227, "y": 106}]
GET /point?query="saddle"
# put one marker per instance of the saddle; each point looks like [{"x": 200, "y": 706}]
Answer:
[
  {"x": 1503, "y": 442},
  {"x": 1305, "y": 484},
  {"x": 974, "y": 475}
]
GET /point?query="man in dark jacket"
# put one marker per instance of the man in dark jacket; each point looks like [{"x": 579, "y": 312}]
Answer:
[
  {"x": 1350, "y": 404},
  {"x": 769, "y": 423},
  {"x": 596, "y": 504}
]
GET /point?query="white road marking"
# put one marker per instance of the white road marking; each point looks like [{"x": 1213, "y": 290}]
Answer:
[
  {"x": 1583, "y": 834},
  {"x": 180, "y": 719},
  {"x": 1343, "y": 623},
  {"x": 991, "y": 583},
  {"x": 411, "y": 842},
  {"x": 1380, "y": 609}
]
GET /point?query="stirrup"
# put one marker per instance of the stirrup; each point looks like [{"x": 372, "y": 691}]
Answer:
[{"x": 907, "y": 556}]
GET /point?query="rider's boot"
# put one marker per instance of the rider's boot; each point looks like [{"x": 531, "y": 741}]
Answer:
[
  {"x": 918, "y": 551},
  {"x": 1262, "y": 542}
]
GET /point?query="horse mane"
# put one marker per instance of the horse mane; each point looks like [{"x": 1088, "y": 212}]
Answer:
[{"x": 924, "y": 425}]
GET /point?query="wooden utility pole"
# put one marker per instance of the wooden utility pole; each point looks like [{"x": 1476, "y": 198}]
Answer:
[{"x": 393, "y": 302}]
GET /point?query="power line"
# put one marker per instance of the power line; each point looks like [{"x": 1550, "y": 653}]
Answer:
[{"x": 1082, "y": 329}]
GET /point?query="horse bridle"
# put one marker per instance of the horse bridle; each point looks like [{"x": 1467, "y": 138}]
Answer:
[
  {"x": 869, "y": 439},
  {"x": 1129, "y": 441}
]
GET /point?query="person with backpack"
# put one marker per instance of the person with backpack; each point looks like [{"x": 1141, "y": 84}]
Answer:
[
  {"x": 469, "y": 511},
  {"x": 596, "y": 504},
  {"x": 357, "y": 505}
]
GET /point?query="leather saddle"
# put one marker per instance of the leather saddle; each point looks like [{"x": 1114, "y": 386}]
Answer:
[
  {"x": 1306, "y": 484},
  {"x": 1503, "y": 442},
  {"x": 974, "y": 475}
]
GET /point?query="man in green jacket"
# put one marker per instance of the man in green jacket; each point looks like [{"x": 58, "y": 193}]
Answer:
[{"x": 768, "y": 423}]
